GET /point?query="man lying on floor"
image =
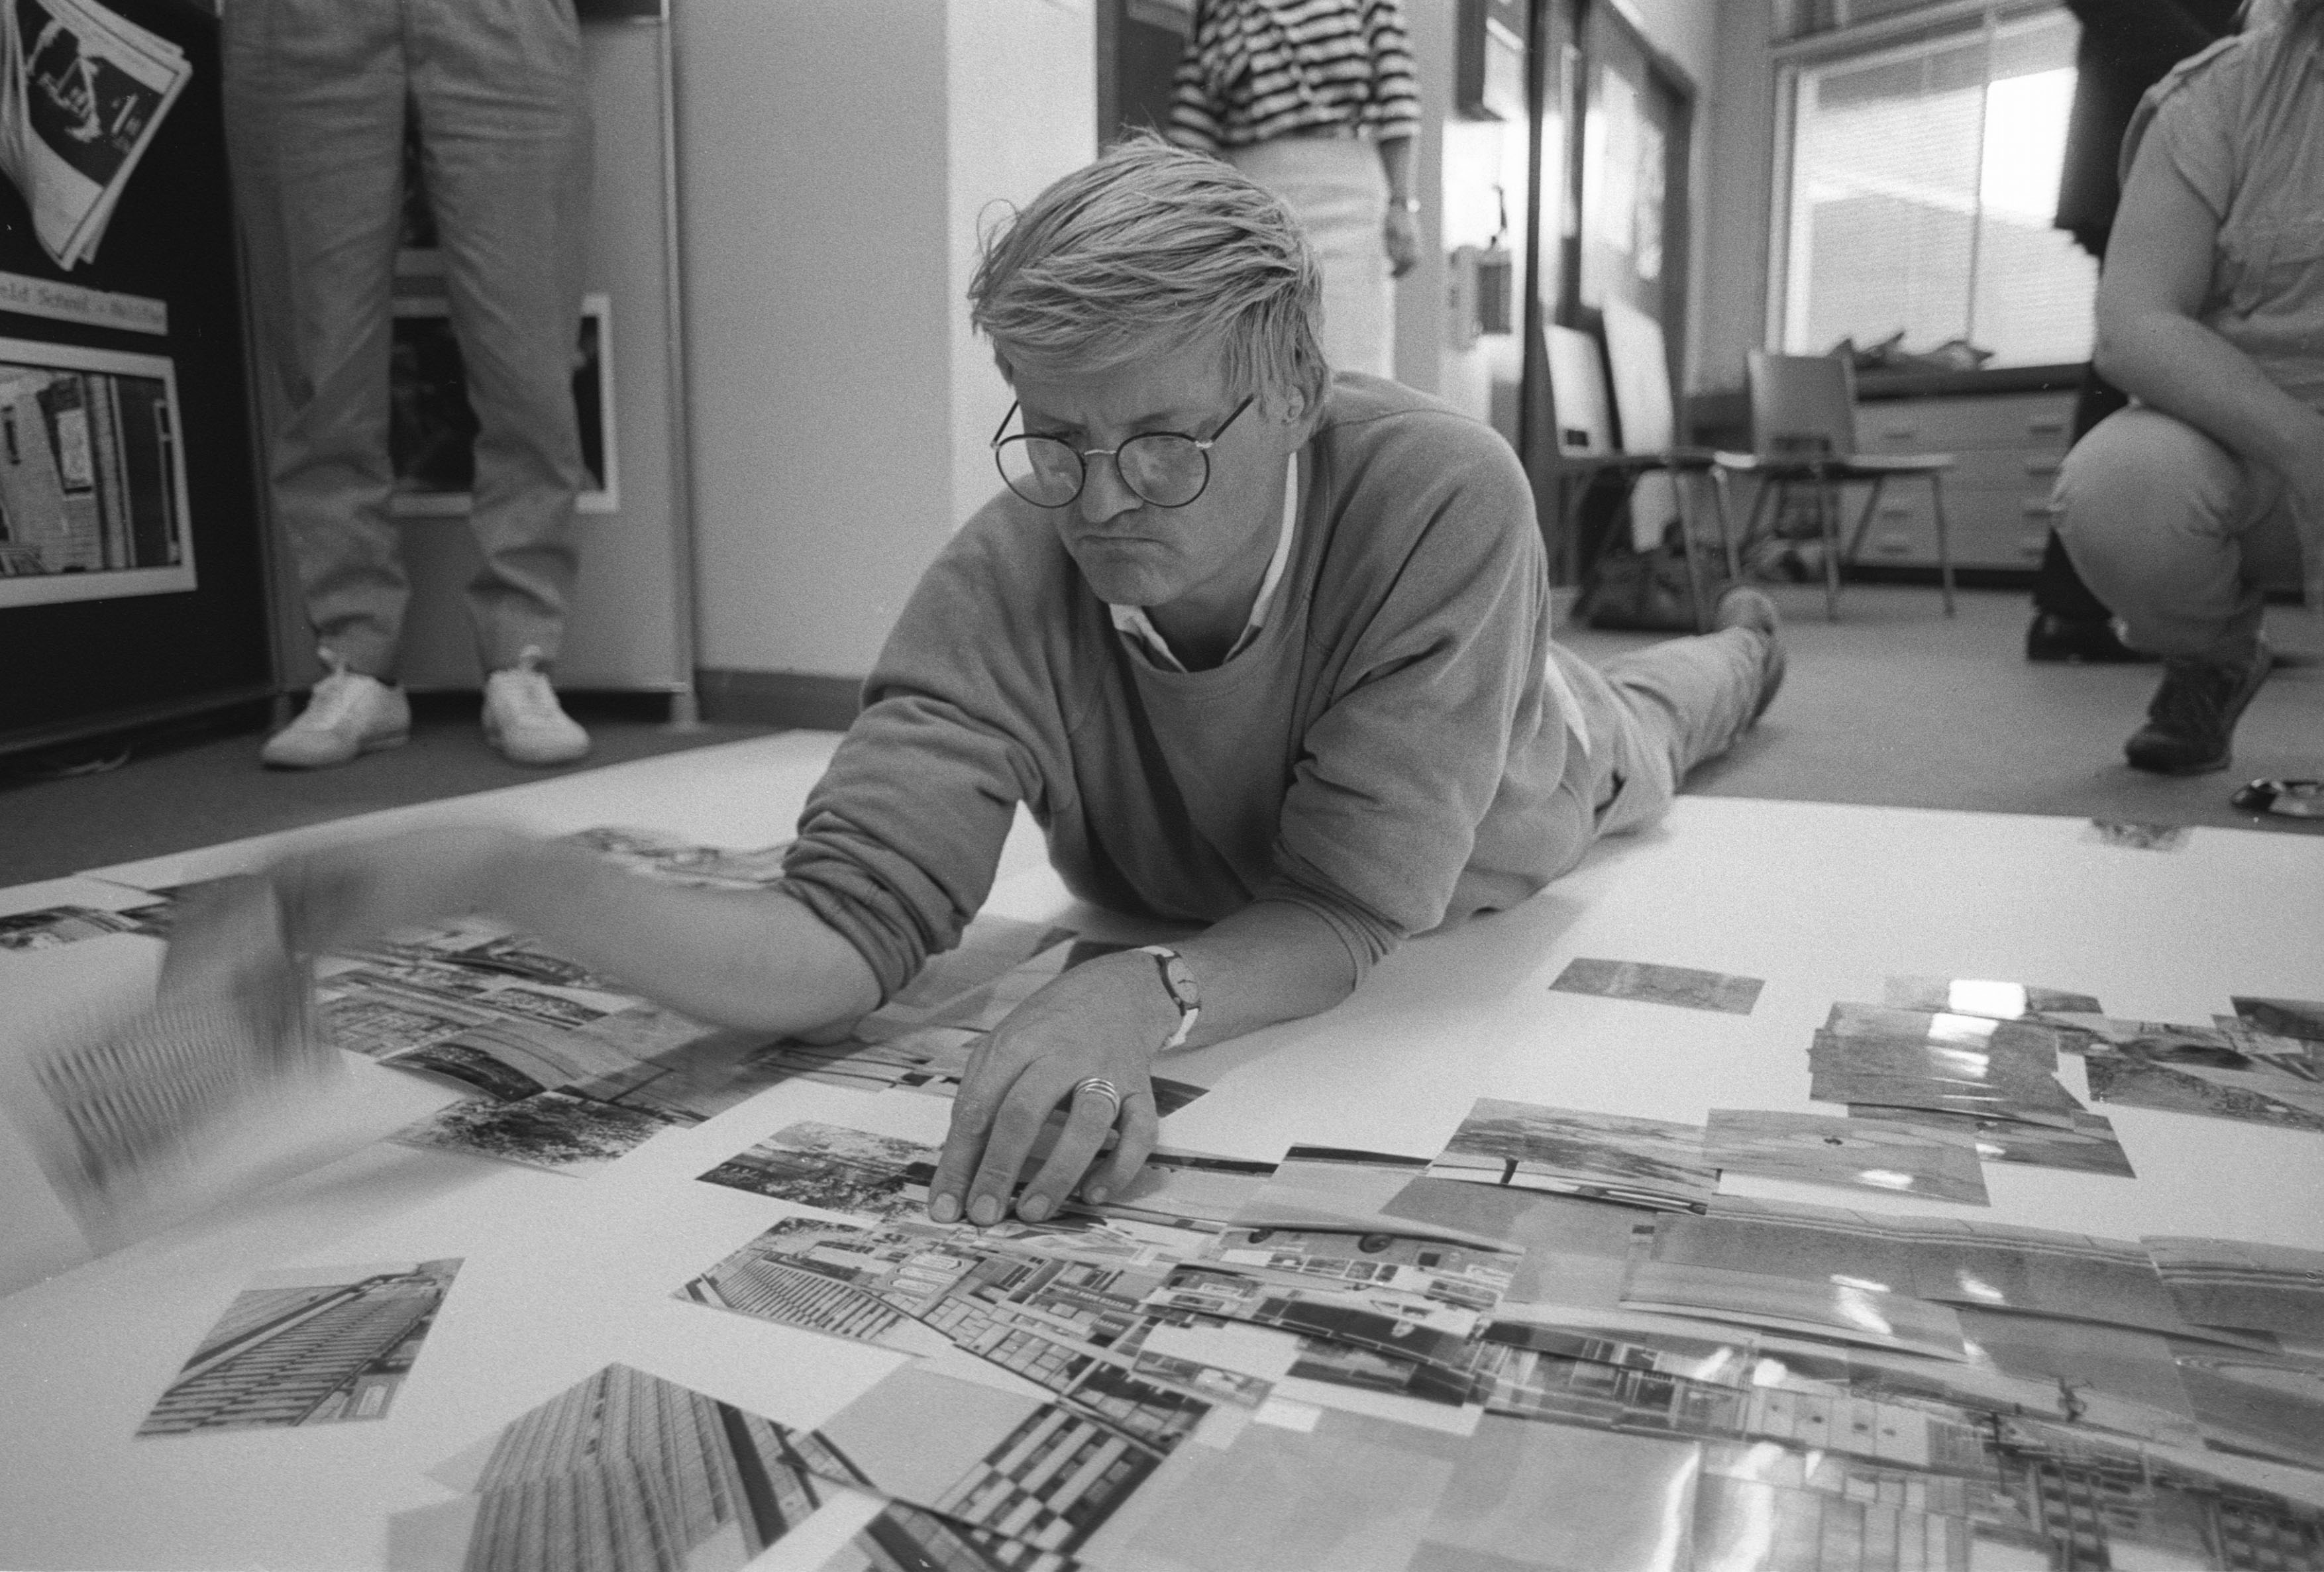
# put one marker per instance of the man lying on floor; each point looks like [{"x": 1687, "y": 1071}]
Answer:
[{"x": 1260, "y": 648}]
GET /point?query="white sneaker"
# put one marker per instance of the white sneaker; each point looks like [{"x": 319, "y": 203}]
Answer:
[
  {"x": 523, "y": 719},
  {"x": 348, "y": 714}
]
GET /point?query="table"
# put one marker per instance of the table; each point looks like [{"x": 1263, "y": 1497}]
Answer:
[{"x": 563, "y": 1275}]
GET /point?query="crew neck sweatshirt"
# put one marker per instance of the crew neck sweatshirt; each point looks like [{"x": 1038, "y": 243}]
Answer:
[{"x": 1385, "y": 752}]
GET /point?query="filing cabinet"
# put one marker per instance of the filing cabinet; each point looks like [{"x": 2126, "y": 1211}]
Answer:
[{"x": 2006, "y": 448}]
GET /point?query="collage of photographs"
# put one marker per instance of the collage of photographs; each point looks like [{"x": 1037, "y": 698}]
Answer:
[{"x": 1560, "y": 1329}]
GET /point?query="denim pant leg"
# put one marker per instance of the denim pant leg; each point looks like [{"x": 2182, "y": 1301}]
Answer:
[
  {"x": 1655, "y": 713},
  {"x": 507, "y": 149},
  {"x": 314, "y": 94},
  {"x": 2180, "y": 536}
]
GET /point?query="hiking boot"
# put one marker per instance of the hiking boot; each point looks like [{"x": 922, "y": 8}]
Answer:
[
  {"x": 523, "y": 719},
  {"x": 2054, "y": 640},
  {"x": 2191, "y": 723},
  {"x": 1741, "y": 606},
  {"x": 348, "y": 714}
]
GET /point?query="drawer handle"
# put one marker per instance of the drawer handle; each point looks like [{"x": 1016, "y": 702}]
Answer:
[
  {"x": 2039, "y": 507},
  {"x": 2046, "y": 428},
  {"x": 2042, "y": 466}
]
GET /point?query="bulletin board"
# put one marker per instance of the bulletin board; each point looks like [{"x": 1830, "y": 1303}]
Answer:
[{"x": 132, "y": 581}]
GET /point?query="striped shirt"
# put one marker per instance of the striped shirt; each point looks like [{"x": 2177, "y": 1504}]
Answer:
[{"x": 1254, "y": 70}]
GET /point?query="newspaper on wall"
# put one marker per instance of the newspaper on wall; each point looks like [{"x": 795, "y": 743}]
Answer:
[{"x": 82, "y": 93}]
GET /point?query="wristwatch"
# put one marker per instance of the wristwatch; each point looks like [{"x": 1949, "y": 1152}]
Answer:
[
  {"x": 1180, "y": 983},
  {"x": 1409, "y": 204}
]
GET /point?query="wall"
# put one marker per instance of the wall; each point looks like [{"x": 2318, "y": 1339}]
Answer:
[
  {"x": 833, "y": 160},
  {"x": 1742, "y": 121}
]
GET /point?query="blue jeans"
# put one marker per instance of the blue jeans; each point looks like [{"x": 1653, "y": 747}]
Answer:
[
  {"x": 316, "y": 92},
  {"x": 1653, "y": 714}
]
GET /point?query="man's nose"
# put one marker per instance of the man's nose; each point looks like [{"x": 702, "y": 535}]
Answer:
[{"x": 1104, "y": 494}]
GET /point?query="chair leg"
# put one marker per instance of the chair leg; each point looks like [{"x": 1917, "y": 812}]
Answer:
[
  {"x": 1686, "y": 549},
  {"x": 1720, "y": 509},
  {"x": 1944, "y": 546},
  {"x": 1864, "y": 519},
  {"x": 1827, "y": 523}
]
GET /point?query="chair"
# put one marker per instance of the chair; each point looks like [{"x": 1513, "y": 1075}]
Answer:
[
  {"x": 1803, "y": 431},
  {"x": 1585, "y": 415}
]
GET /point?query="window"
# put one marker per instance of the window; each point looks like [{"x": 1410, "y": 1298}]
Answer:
[{"x": 1924, "y": 178}]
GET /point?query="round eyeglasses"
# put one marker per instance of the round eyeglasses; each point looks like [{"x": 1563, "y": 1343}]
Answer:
[{"x": 1168, "y": 469}]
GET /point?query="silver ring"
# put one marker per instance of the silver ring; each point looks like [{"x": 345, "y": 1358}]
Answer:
[{"x": 1099, "y": 1086}]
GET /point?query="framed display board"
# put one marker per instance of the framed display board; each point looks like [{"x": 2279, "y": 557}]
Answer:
[{"x": 133, "y": 582}]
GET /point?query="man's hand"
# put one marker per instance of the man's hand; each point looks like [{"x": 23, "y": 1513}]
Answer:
[
  {"x": 1400, "y": 234},
  {"x": 1105, "y": 1019}
]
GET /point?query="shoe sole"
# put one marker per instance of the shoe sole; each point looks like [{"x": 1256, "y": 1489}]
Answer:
[
  {"x": 501, "y": 748},
  {"x": 369, "y": 745}
]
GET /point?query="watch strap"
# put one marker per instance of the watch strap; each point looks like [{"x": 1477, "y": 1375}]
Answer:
[{"x": 1178, "y": 981}]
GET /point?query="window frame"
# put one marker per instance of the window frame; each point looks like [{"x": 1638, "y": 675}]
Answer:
[{"x": 1862, "y": 43}]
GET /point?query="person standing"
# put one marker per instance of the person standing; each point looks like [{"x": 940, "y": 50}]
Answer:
[
  {"x": 1314, "y": 99},
  {"x": 318, "y": 94}
]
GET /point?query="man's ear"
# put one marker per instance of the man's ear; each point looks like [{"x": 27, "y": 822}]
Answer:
[{"x": 1293, "y": 408}]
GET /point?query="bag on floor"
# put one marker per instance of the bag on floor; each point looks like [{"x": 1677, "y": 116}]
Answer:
[{"x": 1646, "y": 591}]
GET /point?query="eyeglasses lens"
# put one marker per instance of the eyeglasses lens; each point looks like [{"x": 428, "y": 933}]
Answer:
[
  {"x": 1042, "y": 470},
  {"x": 1168, "y": 471}
]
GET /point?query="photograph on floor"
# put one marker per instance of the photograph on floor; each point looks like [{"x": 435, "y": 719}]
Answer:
[
  {"x": 1820, "y": 1149},
  {"x": 1682, "y": 986},
  {"x": 1650, "y": 1163},
  {"x": 2087, "y": 1145},
  {"x": 307, "y": 1346}
]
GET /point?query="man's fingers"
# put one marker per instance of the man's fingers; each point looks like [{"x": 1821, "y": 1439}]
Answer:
[
  {"x": 974, "y": 1109},
  {"x": 1090, "y": 1118},
  {"x": 1011, "y": 1140},
  {"x": 1140, "y": 1129}
]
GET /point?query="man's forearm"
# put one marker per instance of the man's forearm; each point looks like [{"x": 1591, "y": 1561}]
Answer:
[
  {"x": 1271, "y": 961},
  {"x": 2177, "y": 366},
  {"x": 754, "y": 958}
]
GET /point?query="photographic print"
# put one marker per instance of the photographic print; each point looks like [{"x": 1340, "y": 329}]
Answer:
[
  {"x": 1820, "y": 1149},
  {"x": 626, "y": 1472},
  {"x": 834, "y": 1169},
  {"x": 2088, "y": 1147},
  {"x": 2233, "y": 1282},
  {"x": 432, "y": 428},
  {"x": 2193, "y": 1088},
  {"x": 2133, "y": 836},
  {"x": 1661, "y": 984},
  {"x": 93, "y": 501},
  {"x": 2300, "y": 1018},
  {"x": 1842, "y": 1311},
  {"x": 2001, "y": 1001},
  {"x": 662, "y": 856},
  {"x": 2019, "y": 1044},
  {"x": 1603, "y": 1156},
  {"x": 553, "y": 1130},
  {"x": 308, "y": 1347},
  {"x": 52, "y": 926}
]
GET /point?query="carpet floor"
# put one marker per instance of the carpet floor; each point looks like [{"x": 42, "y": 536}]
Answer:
[
  {"x": 1897, "y": 706},
  {"x": 1894, "y": 705}
]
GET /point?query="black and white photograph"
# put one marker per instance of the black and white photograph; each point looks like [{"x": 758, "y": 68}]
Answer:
[
  {"x": 93, "y": 501},
  {"x": 692, "y": 1482},
  {"x": 2300, "y": 1018},
  {"x": 1649, "y": 1163},
  {"x": 1845, "y": 1311},
  {"x": 553, "y": 1130},
  {"x": 1682, "y": 986},
  {"x": 1970, "y": 995},
  {"x": 50, "y": 926},
  {"x": 834, "y": 1169},
  {"x": 2086, "y": 1146},
  {"x": 651, "y": 852},
  {"x": 307, "y": 1346},
  {"x": 432, "y": 429},
  {"x": 1819, "y": 1149},
  {"x": 2132, "y": 835},
  {"x": 2133, "y": 1081},
  {"x": 2234, "y": 1283}
]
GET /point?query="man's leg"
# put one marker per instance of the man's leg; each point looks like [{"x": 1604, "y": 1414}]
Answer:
[
  {"x": 2070, "y": 623},
  {"x": 1655, "y": 713},
  {"x": 314, "y": 99},
  {"x": 505, "y": 145},
  {"x": 2179, "y": 537}
]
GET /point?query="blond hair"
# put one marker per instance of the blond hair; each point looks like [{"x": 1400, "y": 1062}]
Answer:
[{"x": 1151, "y": 249}]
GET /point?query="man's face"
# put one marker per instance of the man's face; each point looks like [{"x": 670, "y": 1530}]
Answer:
[{"x": 1214, "y": 549}]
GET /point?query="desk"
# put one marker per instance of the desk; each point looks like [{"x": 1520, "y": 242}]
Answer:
[{"x": 563, "y": 1275}]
